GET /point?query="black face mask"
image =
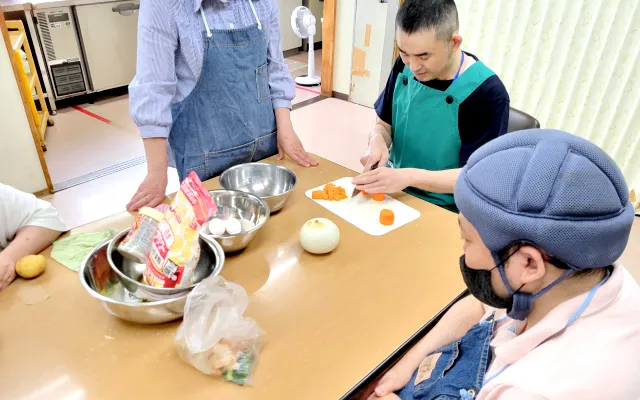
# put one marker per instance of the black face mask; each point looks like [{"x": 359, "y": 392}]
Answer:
[
  {"x": 518, "y": 304},
  {"x": 478, "y": 282}
]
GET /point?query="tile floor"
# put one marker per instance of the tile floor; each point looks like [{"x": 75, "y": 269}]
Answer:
[{"x": 80, "y": 144}]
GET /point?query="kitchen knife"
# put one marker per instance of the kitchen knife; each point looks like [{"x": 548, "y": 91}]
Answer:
[{"x": 356, "y": 191}]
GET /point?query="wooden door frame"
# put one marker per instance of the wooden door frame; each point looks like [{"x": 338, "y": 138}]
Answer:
[
  {"x": 24, "y": 95},
  {"x": 328, "y": 46}
]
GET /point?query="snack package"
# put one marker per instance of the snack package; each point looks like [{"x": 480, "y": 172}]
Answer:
[
  {"x": 214, "y": 337},
  {"x": 175, "y": 250}
]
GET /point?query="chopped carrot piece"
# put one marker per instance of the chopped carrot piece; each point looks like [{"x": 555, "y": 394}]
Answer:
[
  {"x": 378, "y": 196},
  {"x": 330, "y": 192},
  {"x": 386, "y": 217},
  {"x": 364, "y": 193}
]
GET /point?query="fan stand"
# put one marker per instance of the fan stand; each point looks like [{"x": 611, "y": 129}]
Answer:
[{"x": 310, "y": 79}]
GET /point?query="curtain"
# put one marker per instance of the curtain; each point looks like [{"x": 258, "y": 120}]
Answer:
[{"x": 572, "y": 64}]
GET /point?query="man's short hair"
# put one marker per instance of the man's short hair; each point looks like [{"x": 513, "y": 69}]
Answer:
[{"x": 418, "y": 15}]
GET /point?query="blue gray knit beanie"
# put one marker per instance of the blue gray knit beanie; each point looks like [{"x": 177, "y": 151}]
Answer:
[{"x": 551, "y": 189}]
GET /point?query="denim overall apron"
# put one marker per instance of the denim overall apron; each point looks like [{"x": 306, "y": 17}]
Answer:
[
  {"x": 457, "y": 371},
  {"x": 228, "y": 119},
  {"x": 425, "y": 125}
]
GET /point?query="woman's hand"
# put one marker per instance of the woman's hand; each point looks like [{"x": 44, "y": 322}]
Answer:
[
  {"x": 289, "y": 142},
  {"x": 151, "y": 192}
]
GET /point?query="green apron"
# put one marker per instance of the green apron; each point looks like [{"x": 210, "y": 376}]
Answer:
[{"x": 425, "y": 126}]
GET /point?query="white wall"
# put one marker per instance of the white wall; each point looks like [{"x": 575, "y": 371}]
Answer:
[
  {"x": 317, "y": 8},
  {"x": 289, "y": 39},
  {"x": 19, "y": 163},
  {"x": 345, "y": 23},
  {"x": 378, "y": 52}
]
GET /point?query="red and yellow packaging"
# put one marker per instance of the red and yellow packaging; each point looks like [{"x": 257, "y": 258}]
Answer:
[{"x": 175, "y": 250}]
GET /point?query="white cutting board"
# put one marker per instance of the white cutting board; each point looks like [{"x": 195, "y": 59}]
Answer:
[{"x": 364, "y": 212}]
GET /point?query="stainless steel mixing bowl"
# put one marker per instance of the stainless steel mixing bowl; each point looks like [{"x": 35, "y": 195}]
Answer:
[
  {"x": 101, "y": 282},
  {"x": 130, "y": 272},
  {"x": 240, "y": 205},
  {"x": 271, "y": 182}
]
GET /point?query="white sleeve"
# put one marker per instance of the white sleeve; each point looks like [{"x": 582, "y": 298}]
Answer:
[{"x": 19, "y": 209}]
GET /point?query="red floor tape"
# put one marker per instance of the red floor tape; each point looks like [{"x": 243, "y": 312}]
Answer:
[
  {"x": 307, "y": 89},
  {"x": 89, "y": 113}
]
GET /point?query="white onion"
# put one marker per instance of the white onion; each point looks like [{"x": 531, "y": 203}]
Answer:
[{"x": 319, "y": 236}]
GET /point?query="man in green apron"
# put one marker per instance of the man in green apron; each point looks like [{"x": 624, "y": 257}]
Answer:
[{"x": 440, "y": 104}]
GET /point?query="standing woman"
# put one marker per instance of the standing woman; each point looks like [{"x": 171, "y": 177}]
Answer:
[{"x": 211, "y": 90}]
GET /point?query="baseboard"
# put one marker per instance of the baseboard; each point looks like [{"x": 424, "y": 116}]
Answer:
[
  {"x": 290, "y": 53},
  {"x": 316, "y": 46},
  {"x": 308, "y": 102},
  {"x": 340, "y": 96},
  {"x": 42, "y": 193}
]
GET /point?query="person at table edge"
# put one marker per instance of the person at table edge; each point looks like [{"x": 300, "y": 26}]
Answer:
[
  {"x": 212, "y": 83},
  {"x": 28, "y": 225},
  {"x": 544, "y": 217},
  {"x": 440, "y": 104}
]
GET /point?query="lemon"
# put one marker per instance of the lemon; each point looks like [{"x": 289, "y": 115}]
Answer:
[{"x": 31, "y": 266}]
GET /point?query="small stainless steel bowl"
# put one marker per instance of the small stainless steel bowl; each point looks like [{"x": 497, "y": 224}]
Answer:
[
  {"x": 101, "y": 282},
  {"x": 130, "y": 272},
  {"x": 240, "y": 205},
  {"x": 271, "y": 182}
]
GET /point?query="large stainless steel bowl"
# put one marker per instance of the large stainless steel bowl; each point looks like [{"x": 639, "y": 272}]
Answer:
[
  {"x": 101, "y": 282},
  {"x": 240, "y": 205},
  {"x": 271, "y": 182},
  {"x": 130, "y": 272}
]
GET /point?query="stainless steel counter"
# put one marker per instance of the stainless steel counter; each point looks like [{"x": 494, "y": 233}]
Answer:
[{"x": 17, "y": 5}]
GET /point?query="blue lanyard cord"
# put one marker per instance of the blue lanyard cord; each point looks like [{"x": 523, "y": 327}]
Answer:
[
  {"x": 487, "y": 380},
  {"x": 501, "y": 318},
  {"x": 572, "y": 319},
  {"x": 460, "y": 67},
  {"x": 586, "y": 301}
]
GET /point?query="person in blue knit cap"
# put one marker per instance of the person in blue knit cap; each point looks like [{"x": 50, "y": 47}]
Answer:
[{"x": 544, "y": 215}]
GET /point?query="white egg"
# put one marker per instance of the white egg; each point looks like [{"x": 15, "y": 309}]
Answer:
[
  {"x": 246, "y": 224},
  {"x": 232, "y": 225},
  {"x": 216, "y": 227},
  {"x": 319, "y": 236}
]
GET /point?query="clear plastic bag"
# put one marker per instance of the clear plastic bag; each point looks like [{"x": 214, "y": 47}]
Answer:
[{"x": 214, "y": 337}]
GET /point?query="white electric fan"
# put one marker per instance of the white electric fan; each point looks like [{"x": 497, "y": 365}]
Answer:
[{"x": 304, "y": 25}]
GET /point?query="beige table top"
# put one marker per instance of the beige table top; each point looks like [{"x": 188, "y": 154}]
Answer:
[{"x": 329, "y": 320}]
